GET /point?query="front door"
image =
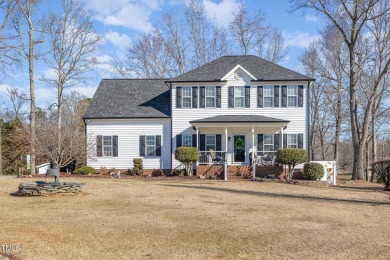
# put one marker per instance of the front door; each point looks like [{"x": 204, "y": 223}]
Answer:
[{"x": 239, "y": 148}]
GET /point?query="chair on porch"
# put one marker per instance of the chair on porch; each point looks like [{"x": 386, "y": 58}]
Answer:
[{"x": 214, "y": 158}]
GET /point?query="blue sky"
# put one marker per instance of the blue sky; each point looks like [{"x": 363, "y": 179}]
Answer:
[{"x": 120, "y": 21}]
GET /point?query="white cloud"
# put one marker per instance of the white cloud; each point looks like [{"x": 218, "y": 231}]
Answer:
[
  {"x": 311, "y": 18},
  {"x": 299, "y": 39},
  {"x": 83, "y": 90},
  {"x": 50, "y": 74},
  {"x": 130, "y": 14},
  {"x": 220, "y": 12},
  {"x": 122, "y": 41}
]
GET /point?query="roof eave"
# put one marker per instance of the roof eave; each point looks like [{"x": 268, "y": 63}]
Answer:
[
  {"x": 196, "y": 81},
  {"x": 284, "y": 80}
]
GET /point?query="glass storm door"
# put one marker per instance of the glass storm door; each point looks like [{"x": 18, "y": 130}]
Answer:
[{"x": 239, "y": 148}]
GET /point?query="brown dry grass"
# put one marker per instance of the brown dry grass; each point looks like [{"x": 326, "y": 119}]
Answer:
[{"x": 199, "y": 219}]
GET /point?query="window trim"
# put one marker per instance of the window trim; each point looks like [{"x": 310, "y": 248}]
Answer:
[
  {"x": 111, "y": 145},
  {"x": 296, "y": 96},
  {"x": 266, "y": 96},
  {"x": 183, "y": 138},
  {"x": 292, "y": 145},
  {"x": 242, "y": 97},
  {"x": 272, "y": 144},
  {"x": 214, "y": 97},
  {"x": 186, "y": 97},
  {"x": 206, "y": 144},
  {"x": 148, "y": 145}
]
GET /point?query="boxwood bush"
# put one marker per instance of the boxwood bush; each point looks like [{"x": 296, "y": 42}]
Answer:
[
  {"x": 313, "y": 171},
  {"x": 85, "y": 170},
  {"x": 291, "y": 157},
  {"x": 187, "y": 156}
]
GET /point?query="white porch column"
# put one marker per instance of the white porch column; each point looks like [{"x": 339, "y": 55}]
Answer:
[
  {"x": 197, "y": 142},
  {"x": 281, "y": 139},
  {"x": 253, "y": 154},
  {"x": 225, "y": 168}
]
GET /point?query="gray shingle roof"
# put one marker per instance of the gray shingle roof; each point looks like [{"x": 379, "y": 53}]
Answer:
[
  {"x": 258, "y": 67},
  {"x": 240, "y": 119},
  {"x": 130, "y": 98}
]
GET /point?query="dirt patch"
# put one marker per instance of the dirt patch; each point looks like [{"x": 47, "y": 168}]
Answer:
[{"x": 197, "y": 219}]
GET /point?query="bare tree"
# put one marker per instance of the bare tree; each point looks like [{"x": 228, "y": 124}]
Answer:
[
  {"x": 26, "y": 9},
  {"x": 72, "y": 44},
  {"x": 18, "y": 98},
  {"x": 352, "y": 18}
]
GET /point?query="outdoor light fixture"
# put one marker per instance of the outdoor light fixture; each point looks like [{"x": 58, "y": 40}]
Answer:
[{"x": 229, "y": 139}]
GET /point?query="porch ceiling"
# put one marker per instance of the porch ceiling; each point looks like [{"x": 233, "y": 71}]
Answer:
[{"x": 240, "y": 121}]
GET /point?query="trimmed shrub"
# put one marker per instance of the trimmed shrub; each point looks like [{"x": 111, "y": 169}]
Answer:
[
  {"x": 138, "y": 167},
  {"x": 187, "y": 156},
  {"x": 291, "y": 157},
  {"x": 178, "y": 172},
  {"x": 157, "y": 173},
  {"x": 313, "y": 171},
  {"x": 381, "y": 169},
  {"x": 85, "y": 170}
]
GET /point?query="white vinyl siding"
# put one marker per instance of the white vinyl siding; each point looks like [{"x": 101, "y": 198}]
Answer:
[
  {"x": 187, "y": 97},
  {"x": 129, "y": 132},
  {"x": 239, "y": 96},
  {"x": 268, "y": 93},
  {"x": 187, "y": 140},
  {"x": 292, "y": 96},
  {"x": 210, "y": 97}
]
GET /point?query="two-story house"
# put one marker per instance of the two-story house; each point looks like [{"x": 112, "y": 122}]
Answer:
[{"x": 230, "y": 107}]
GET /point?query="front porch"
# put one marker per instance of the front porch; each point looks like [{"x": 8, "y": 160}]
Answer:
[{"x": 234, "y": 142}]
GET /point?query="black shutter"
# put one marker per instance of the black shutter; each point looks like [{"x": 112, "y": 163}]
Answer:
[
  {"x": 218, "y": 96},
  {"x": 142, "y": 145},
  {"x": 178, "y": 97},
  {"x": 201, "y": 97},
  {"x": 218, "y": 142},
  {"x": 260, "y": 142},
  {"x": 259, "y": 96},
  {"x": 276, "y": 96},
  {"x": 158, "y": 145},
  {"x": 202, "y": 143},
  {"x": 247, "y": 96},
  {"x": 284, "y": 96},
  {"x": 115, "y": 146},
  {"x": 194, "y": 140},
  {"x": 284, "y": 140},
  {"x": 178, "y": 141},
  {"x": 194, "y": 97},
  {"x": 300, "y": 140},
  {"x": 231, "y": 97},
  {"x": 300, "y": 96},
  {"x": 276, "y": 142},
  {"x": 99, "y": 146}
]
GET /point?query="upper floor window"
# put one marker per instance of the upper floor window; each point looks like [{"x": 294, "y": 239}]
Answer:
[
  {"x": 150, "y": 145},
  {"x": 292, "y": 141},
  {"x": 210, "y": 96},
  {"x": 107, "y": 145},
  {"x": 292, "y": 96},
  {"x": 268, "y": 93},
  {"x": 187, "y": 140},
  {"x": 187, "y": 97},
  {"x": 268, "y": 142},
  {"x": 239, "y": 96}
]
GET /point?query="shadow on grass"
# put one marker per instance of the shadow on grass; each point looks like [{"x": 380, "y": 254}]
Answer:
[
  {"x": 368, "y": 188},
  {"x": 280, "y": 195}
]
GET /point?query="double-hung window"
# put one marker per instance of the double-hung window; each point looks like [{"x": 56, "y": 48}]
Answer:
[
  {"x": 210, "y": 96},
  {"x": 239, "y": 96},
  {"x": 292, "y": 141},
  {"x": 150, "y": 145},
  {"x": 268, "y": 142},
  {"x": 107, "y": 145},
  {"x": 210, "y": 142},
  {"x": 268, "y": 93},
  {"x": 292, "y": 96},
  {"x": 187, "y": 140},
  {"x": 187, "y": 97}
]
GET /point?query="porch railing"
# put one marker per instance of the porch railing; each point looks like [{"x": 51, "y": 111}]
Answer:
[{"x": 212, "y": 157}]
